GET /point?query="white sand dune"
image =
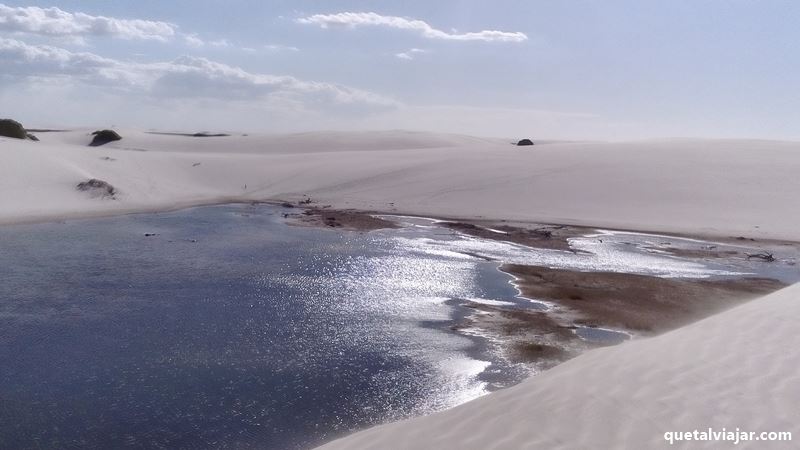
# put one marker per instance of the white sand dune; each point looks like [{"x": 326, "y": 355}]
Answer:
[
  {"x": 736, "y": 369},
  {"x": 717, "y": 187}
]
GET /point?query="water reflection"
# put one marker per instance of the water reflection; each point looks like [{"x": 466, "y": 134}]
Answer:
[
  {"x": 222, "y": 326},
  {"x": 225, "y": 327}
]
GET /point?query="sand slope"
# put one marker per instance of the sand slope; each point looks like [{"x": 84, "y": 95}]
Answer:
[
  {"x": 735, "y": 369},
  {"x": 696, "y": 186}
]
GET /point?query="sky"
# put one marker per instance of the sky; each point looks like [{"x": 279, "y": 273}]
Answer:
[{"x": 603, "y": 69}]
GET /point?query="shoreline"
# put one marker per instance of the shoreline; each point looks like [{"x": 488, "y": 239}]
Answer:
[
  {"x": 305, "y": 213},
  {"x": 529, "y": 234},
  {"x": 563, "y": 230},
  {"x": 566, "y": 312}
]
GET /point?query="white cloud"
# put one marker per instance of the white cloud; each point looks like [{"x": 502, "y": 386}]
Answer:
[
  {"x": 410, "y": 54},
  {"x": 355, "y": 19},
  {"x": 192, "y": 77},
  {"x": 76, "y": 27},
  {"x": 280, "y": 48},
  {"x": 55, "y": 22},
  {"x": 192, "y": 40},
  {"x": 220, "y": 43},
  {"x": 20, "y": 60},
  {"x": 195, "y": 41},
  {"x": 184, "y": 77}
]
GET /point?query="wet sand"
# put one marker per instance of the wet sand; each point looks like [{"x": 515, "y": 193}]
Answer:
[
  {"x": 637, "y": 303},
  {"x": 526, "y": 336},
  {"x": 536, "y": 235},
  {"x": 324, "y": 216}
]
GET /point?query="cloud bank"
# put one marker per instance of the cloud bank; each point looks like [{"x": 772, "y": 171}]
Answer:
[
  {"x": 181, "y": 78},
  {"x": 357, "y": 19},
  {"x": 54, "y": 22}
]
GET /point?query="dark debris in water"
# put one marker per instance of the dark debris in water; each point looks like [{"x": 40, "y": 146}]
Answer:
[{"x": 764, "y": 256}]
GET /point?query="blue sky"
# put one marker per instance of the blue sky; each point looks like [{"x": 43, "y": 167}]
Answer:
[{"x": 566, "y": 69}]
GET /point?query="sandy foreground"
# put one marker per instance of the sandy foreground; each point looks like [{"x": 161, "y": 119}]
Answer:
[{"x": 735, "y": 369}]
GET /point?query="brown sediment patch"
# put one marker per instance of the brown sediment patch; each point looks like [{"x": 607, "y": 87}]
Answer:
[
  {"x": 527, "y": 351},
  {"x": 531, "y": 235},
  {"x": 519, "y": 321},
  {"x": 638, "y": 303},
  {"x": 531, "y": 337},
  {"x": 334, "y": 218}
]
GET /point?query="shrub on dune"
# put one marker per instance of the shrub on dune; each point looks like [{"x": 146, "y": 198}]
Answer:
[
  {"x": 104, "y": 137},
  {"x": 97, "y": 188},
  {"x": 13, "y": 129}
]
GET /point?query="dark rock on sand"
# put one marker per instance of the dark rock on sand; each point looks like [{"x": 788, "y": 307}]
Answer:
[
  {"x": 13, "y": 129},
  {"x": 198, "y": 134},
  {"x": 525, "y": 142},
  {"x": 104, "y": 137},
  {"x": 97, "y": 188}
]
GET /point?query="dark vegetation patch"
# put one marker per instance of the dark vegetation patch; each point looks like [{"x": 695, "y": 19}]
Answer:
[
  {"x": 198, "y": 134},
  {"x": 13, "y": 129},
  {"x": 102, "y": 137},
  {"x": 97, "y": 188}
]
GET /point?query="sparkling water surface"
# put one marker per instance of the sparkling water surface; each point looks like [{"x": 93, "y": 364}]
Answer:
[{"x": 226, "y": 328}]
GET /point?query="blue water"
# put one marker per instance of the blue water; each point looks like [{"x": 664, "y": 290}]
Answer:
[
  {"x": 602, "y": 335},
  {"x": 227, "y": 329},
  {"x": 223, "y": 327}
]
